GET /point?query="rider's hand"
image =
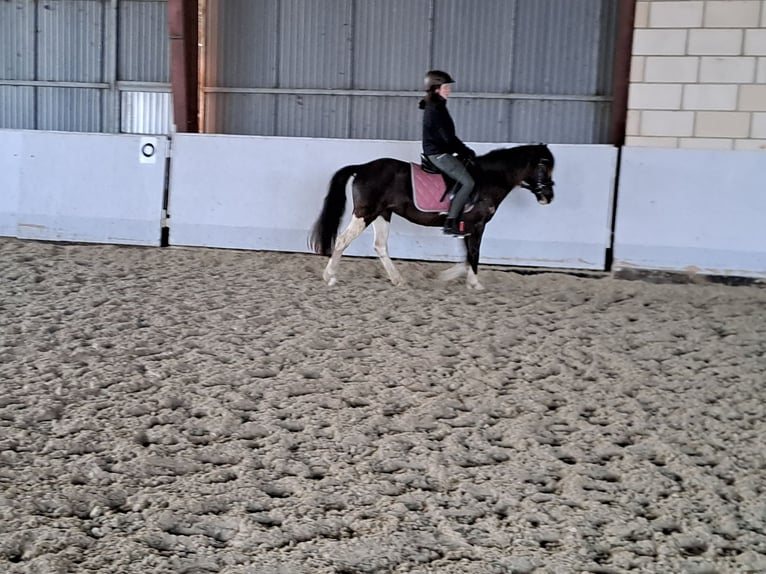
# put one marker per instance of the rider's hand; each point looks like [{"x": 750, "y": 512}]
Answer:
[{"x": 468, "y": 156}]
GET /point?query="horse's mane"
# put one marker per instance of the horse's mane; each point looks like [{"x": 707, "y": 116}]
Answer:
[{"x": 518, "y": 156}]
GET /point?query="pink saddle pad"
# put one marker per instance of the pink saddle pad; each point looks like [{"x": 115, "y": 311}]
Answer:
[{"x": 427, "y": 190}]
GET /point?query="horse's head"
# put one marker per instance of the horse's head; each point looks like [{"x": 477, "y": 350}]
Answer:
[{"x": 538, "y": 177}]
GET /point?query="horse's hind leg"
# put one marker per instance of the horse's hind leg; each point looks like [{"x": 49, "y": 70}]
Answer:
[
  {"x": 381, "y": 227},
  {"x": 351, "y": 232}
]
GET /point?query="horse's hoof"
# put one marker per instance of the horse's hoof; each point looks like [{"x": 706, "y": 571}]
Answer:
[{"x": 332, "y": 281}]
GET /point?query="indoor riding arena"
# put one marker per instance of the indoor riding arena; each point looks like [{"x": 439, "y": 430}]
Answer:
[{"x": 183, "y": 391}]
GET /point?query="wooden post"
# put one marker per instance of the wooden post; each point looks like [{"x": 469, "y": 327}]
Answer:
[
  {"x": 183, "y": 31},
  {"x": 623, "y": 53}
]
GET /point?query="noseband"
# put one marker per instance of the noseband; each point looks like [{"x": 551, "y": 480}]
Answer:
[{"x": 542, "y": 181}]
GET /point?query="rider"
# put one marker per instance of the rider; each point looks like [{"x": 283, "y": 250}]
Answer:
[{"x": 441, "y": 145}]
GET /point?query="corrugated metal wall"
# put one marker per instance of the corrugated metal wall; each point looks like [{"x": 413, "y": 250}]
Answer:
[
  {"x": 85, "y": 65},
  {"x": 526, "y": 70},
  {"x": 143, "y": 67}
]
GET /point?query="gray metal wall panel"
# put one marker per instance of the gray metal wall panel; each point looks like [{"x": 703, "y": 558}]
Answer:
[
  {"x": 17, "y": 107},
  {"x": 482, "y": 120},
  {"x": 315, "y": 44},
  {"x": 306, "y": 116},
  {"x": 607, "y": 43},
  {"x": 75, "y": 41},
  {"x": 391, "y": 44},
  {"x": 147, "y": 60},
  {"x": 497, "y": 51},
  {"x": 71, "y": 34},
  {"x": 143, "y": 50},
  {"x": 145, "y": 112},
  {"x": 69, "y": 109},
  {"x": 17, "y": 40},
  {"x": 385, "y": 117},
  {"x": 475, "y": 44},
  {"x": 554, "y": 50},
  {"x": 243, "y": 41},
  {"x": 559, "y": 121},
  {"x": 243, "y": 114}
]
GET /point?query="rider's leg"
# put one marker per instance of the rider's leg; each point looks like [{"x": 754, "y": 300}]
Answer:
[
  {"x": 458, "y": 202},
  {"x": 454, "y": 168}
]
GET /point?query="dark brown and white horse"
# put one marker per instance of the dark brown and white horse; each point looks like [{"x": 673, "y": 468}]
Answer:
[{"x": 383, "y": 187}]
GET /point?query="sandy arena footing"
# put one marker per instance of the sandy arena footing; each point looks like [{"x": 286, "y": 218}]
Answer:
[{"x": 209, "y": 411}]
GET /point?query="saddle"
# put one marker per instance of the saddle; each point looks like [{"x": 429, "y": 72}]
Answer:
[
  {"x": 449, "y": 184},
  {"x": 433, "y": 190}
]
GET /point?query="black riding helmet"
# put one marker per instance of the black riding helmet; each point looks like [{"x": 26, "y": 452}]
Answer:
[{"x": 435, "y": 78}]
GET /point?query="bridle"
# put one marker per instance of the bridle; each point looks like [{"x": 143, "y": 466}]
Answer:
[{"x": 542, "y": 182}]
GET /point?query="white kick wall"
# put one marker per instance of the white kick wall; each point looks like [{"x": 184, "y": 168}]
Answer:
[
  {"x": 70, "y": 186},
  {"x": 697, "y": 211},
  {"x": 265, "y": 193}
]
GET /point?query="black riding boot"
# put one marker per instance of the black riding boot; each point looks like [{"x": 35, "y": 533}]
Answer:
[{"x": 454, "y": 226}]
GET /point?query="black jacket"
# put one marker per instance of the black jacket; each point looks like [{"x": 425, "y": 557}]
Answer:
[{"x": 439, "y": 129}]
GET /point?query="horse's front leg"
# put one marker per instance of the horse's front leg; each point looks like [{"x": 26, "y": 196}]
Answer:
[
  {"x": 381, "y": 227},
  {"x": 351, "y": 232},
  {"x": 472, "y": 247},
  {"x": 457, "y": 270}
]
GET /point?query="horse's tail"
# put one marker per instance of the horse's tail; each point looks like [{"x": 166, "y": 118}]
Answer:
[{"x": 325, "y": 229}]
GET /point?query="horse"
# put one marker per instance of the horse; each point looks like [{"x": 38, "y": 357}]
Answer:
[{"x": 383, "y": 187}]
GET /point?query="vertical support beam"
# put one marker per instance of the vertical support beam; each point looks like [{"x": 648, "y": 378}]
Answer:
[
  {"x": 184, "y": 29},
  {"x": 202, "y": 64},
  {"x": 111, "y": 122},
  {"x": 623, "y": 53}
]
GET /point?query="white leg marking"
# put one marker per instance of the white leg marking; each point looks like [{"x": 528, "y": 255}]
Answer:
[
  {"x": 472, "y": 281},
  {"x": 381, "y": 227},
  {"x": 454, "y": 272},
  {"x": 351, "y": 232}
]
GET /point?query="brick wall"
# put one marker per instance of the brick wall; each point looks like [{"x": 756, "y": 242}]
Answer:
[{"x": 698, "y": 75}]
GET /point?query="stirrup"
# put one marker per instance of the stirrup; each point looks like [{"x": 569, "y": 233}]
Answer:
[{"x": 457, "y": 229}]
